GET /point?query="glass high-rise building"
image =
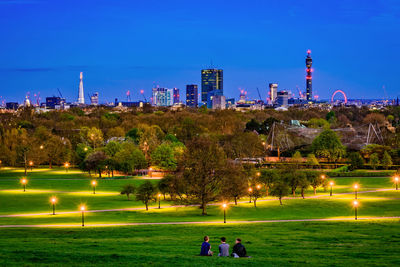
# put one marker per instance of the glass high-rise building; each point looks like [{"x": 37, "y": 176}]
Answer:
[
  {"x": 211, "y": 80},
  {"x": 192, "y": 95}
]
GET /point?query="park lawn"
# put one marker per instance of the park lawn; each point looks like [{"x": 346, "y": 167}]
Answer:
[
  {"x": 266, "y": 210},
  {"x": 373, "y": 243}
]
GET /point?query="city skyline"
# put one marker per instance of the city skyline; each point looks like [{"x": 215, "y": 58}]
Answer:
[{"x": 47, "y": 52}]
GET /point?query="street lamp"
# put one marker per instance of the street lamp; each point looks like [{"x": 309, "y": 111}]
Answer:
[
  {"x": 355, "y": 205},
  {"x": 258, "y": 174},
  {"x": 85, "y": 149},
  {"x": 24, "y": 181},
  {"x": 224, "y": 206},
  {"x": 331, "y": 184},
  {"x": 31, "y": 164},
  {"x": 41, "y": 147},
  {"x": 53, "y": 201},
  {"x": 356, "y": 186},
  {"x": 250, "y": 191},
  {"x": 159, "y": 201},
  {"x": 151, "y": 172},
  {"x": 94, "y": 183},
  {"x": 396, "y": 181},
  {"x": 322, "y": 176},
  {"x": 66, "y": 165},
  {"x": 83, "y": 208}
]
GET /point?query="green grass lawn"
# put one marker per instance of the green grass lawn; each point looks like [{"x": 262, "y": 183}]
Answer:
[
  {"x": 292, "y": 243},
  {"x": 284, "y": 244}
]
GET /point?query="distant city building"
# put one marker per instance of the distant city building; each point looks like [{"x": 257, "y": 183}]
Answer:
[
  {"x": 218, "y": 102},
  {"x": 230, "y": 102},
  {"x": 309, "y": 77},
  {"x": 192, "y": 95},
  {"x": 129, "y": 104},
  {"x": 94, "y": 99},
  {"x": 211, "y": 79},
  {"x": 81, "y": 96},
  {"x": 163, "y": 97},
  {"x": 282, "y": 98},
  {"x": 211, "y": 95},
  {"x": 273, "y": 92},
  {"x": 27, "y": 102},
  {"x": 12, "y": 105},
  {"x": 55, "y": 101},
  {"x": 176, "y": 95}
]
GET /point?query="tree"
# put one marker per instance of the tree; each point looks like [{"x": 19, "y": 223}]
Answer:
[
  {"x": 94, "y": 136},
  {"x": 202, "y": 166},
  {"x": 297, "y": 159},
  {"x": 128, "y": 190},
  {"x": 312, "y": 160},
  {"x": 130, "y": 158},
  {"x": 134, "y": 135},
  {"x": 315, "y": 179},
  {"x": 374, "y": 160},
  {"x": 356, "y": 161},
  {"x": 279, "y": 189},
  {"x": 318, "y": 123},
  {"x": 58, "y": 150},
  {"x": 234, "y": 182},
  {"x": 96, "y": 161},
  {"x": 146, "y": 193},
  {"x": 386, "y": 160},
  {"x": 163, "y": 157},
  {"x": 331, "y": 116},
  {"x": 163, "y": 185},
  {"x": 328, "y": 145},
  {"x": 292, "y": 178},
  {"x": 304, "y": 183},
  {"x": 268, "y": 178}
]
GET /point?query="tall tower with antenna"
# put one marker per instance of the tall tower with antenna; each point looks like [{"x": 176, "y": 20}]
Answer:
[
  {"x": 309, "y": 76},
  {"x": 81, "y": 97}
]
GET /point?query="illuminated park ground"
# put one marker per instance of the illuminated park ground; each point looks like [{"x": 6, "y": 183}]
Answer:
[{"x": 118, "y": 231}]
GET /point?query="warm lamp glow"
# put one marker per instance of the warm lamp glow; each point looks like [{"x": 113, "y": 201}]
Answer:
[
  {"x": 224, "y": 205},
  {"x": 85, "y": 149},
  {"x": 30, "y": 163},
  {"x": 356, "y": 186},
  {"x": 82, "y": 208},
  {"x": 331, "y": 183},
  {"x": 258, "y": 186},
  {"x": 355, "y": 203},
  {"x": 53, "y": 200},
  {"x": 396, "y": 179},
  {"x": 24, "y": 181},
  {"x": 250, "y": 189},
  {"x": 94, "y": 183},
  {"x": 258, "y": 173},
  {"x": 159, "y": 195},
  {"x": 66, "y": 164},
  {"x": 41, "y": 147},
  {"x": 322, "y": 176}
]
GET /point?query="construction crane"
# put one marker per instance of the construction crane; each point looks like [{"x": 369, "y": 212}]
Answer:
[
  {"x": 59, "y": 92},
  {"x": 259, "y": 95},
  {"x": 142, "y": 93}
]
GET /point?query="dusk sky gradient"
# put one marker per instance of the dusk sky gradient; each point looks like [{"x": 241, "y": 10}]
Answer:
[{"x": 130, "y": 45}]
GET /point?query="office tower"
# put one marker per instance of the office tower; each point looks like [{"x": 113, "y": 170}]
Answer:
[
  {"x": 218, "y": 102},
  {"x": 176, "y": 95},
  {"x": 309, "y": 76},
  {"x": 273, "y": 90},
  {"x": 192, "y": 97},
  {"x": 282, "y": 98},
  {"x": 163, "y": 97},
  {"x": 211, "y": 79},
  {"x": 94, "y": 99},
  {"x": 81, "y": 97},
  {"x": 211, "y": 95},
  {"x": 54, "y": 102}
]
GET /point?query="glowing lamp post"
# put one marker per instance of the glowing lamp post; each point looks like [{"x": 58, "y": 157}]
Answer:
[
  {"x": 323, "y": 176},
  {"x": 250, "y": 191},
  {"x": 356, "y": 186},
  {"x": 258, "y": 174},
  {"x": 66, "y": 165},
  {"x": 41, "y": 147},
  {"x": 355, "y": 205},
  {"x": 396, "y": 181},
  {"x": 331, "y": 184},
  {"x": 224, "y": 206},
  {"x": 53, "y": 201},
  {"x": 24, "y": 181},
  {"x": 31, "y": 164},
  {"x": 83, "y": 208},
  {"x": 94, "y": 183},
  {"x": 159, "y": 201}
]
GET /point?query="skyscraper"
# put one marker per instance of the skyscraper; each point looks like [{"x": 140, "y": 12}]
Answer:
[
  {"x": 273, "y": 90},
  {"x": 309, "y": 76},
  {"x": 192, "y": 95},
  {"x": 81, "y": 96},
  {"x": 211, "y": 79},
  {"x": 163, "y": 97},
  {"x": 176, "y": 95}
]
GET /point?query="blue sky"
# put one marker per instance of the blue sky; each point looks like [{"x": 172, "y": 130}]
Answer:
[{"x": 131, "y": 45}]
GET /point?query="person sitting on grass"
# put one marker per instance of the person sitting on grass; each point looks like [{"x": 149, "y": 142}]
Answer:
[
  {"x": 206, "y": 247},
  {"x": 223, "y": 248},
  {"x": 238, "y": 249}
]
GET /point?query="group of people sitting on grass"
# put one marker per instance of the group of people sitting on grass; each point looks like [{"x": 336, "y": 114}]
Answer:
[{"x": 238, "y": 249}]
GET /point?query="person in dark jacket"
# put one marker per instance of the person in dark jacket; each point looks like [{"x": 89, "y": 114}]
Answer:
[
  {"x": 206, "y": 247},
  {"x": 238, "y": 249}
]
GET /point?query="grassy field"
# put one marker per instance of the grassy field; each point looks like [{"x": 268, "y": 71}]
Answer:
[{"x": 286, "y": 243}]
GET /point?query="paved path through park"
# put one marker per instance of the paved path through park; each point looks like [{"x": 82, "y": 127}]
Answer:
[{"x": 188, "y": 223}]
